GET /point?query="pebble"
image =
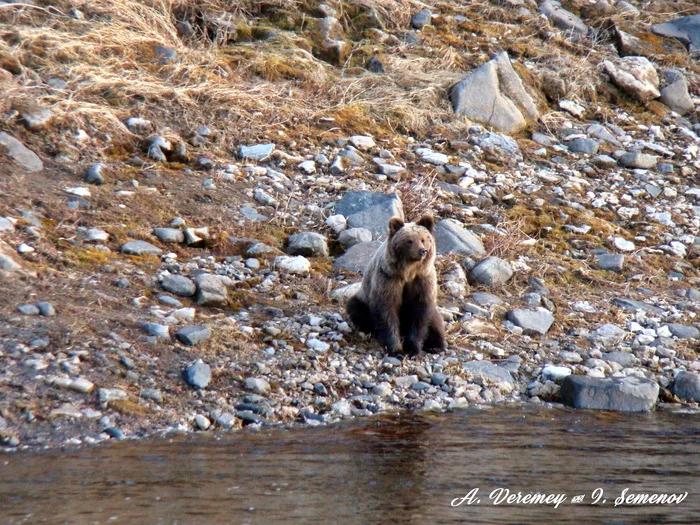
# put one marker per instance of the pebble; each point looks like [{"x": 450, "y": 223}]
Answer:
[
  {"x": 193, "y": 335},
  {"x": 259, "y": 385},
  {"x": 198, "y": 374}
]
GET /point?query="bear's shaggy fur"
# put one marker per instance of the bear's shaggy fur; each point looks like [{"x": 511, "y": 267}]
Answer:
[{"x": 397, "y": 300}]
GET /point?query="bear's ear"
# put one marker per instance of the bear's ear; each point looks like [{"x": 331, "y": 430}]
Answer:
[
  {"x": 427, "y": 221},
  {"x": 395, "y": 224}
]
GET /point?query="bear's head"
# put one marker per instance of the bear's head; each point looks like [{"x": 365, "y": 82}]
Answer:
[{"x": 412, "y": 242}]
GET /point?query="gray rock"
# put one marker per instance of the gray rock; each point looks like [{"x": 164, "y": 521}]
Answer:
[
  {"x": 106, "y": 395},
  {"x": 421, "y": 19},
  {"x": 94, "y": 175},
  {"x": 494, "y": 94},
  {"x": 169, "y": 235},
  {"x": 22, "y": 155},
  {"x": 296, "y": 265},
  {"x": 375, "y": 66},
  {"x": 486, "y": 299},
  {"x": 492, "y": 271},
  {"x": 607, "y": 334},
  {"x": 486, "y": 374},
  {"x": 601, "y": 133},
  {"x": 357, "y": 257},
  {"x": 676, "y": 97},
  {"x": 637, "y": 159},
  {"x": 563, "y": 19},
  {"x": 499, "y": 148},
  {"x": 372, "y": 211},
  {"x": 308, "y": 244},
  {"x": 362, "y": 142},
  {"x": 193, "y": 335},
  {"x": 634, "y": 75},
  {"x": 140, "y": 248},
  {"x": 170, "y": 301},
  {"x": 93, "y": 235},
  {"x": 198, "y": 374},
  {"x": 164, "y": 55},
  {"x": 686, "y": 386},
  {"x": 353, "y": 236},
  {"x": 587, "y": 146},
  {"x": 6, "y": 225},
  {"x": 534, "y": 322},
  {"x": 683, "y": 331},
  {"x": 138, "y": 126},
  {"x": 452, "y": 237},
  {"x": 624, "y": 359},
  {"x": 226, "y": 420},
  {"x": 46, "y": 309},
  {"x": 156, "y": 330},
  {"x": 28, "y": 309},
  {"x": 211, "y": 290},
  {"x": 256, "y": 152},
  {"x": 37, "y": 118},
  {"x": 252, "y": 214},
  {"x": 627, "y": 394},
  {"x": 259, "y": 385},
  {"x": 179, "y": 285},
  {"x": 632, "y": 305},
  {"x": 604, "y": 161},
  {"x": 686, "y": 29},
  {"x": 612, "y": 262}
]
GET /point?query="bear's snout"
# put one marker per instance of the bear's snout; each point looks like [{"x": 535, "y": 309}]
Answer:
[{"x": 422, "y": 252}]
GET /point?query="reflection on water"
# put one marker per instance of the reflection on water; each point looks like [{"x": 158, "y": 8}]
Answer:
[{"x": 400, "y": 469}]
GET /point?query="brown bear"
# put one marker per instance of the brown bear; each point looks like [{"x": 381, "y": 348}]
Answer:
[{"x": 397, "y": 300}]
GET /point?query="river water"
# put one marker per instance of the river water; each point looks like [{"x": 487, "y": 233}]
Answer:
[{"x": 407, "y": 468}]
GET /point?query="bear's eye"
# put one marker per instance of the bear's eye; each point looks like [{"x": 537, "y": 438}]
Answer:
[{"x": 410, "y": 242}]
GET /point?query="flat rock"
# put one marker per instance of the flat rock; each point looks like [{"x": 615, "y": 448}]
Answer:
[
  {"x": 499, "y": 148},
  {"x": 256, "y": 152},
  {"x": 193, "y": 335},
  {"x": 563, "y": 19},
  {"x": 432, "y": 157},
  {"x": 93, "y": 235},
  {"x": 156, "y": 330},
  {"x": 94, "y": 175},
  {"x": 353, "y": 236},
  {"x": 298, "y": 265},
  {"x": 179, "y": 285},
  {"x": 493, "y": 94},
  {"x": 346, "y": 292},
  {"x": 637, "y": 159},
  {"x": 211, "y": 291},
  {"x": 46, "y": 309},
  {"x": 362, "y": 142},
  {"x": 421, "y": 19},
  {"x": 486, "y": 374},
  {"x": 492, "y": 271},
  {"x": 198, "y": 374},
  {"x": 607, "y": 334},
  {"x": 308, "y": 244},
  {"x": 686, "y": 386},
  {"x": 587, "y": 146},
  {"x": 632, "y": 305},
  {"x": 169, "y": 235},
  {"x": 627, "y": 394},
  {"x": 486, "y": 299},
  {"x": 537, "y": 321},
  {"x": 624, "y": 359},
  {"x": 37, "y": 118},
  {"x": 259, "y": 385},
  {"x": 140, "y": 248},
  {"x": 357, "y": 257},
  {"x": 452, "y": 237},
  {"x": 28, "y": 309},
  {"x": 612, "y": 262},
  {"x": 6, "y": 225},
  {"x": 19, "y": 153},
  {"x": 636, "y": 76},
  {"x": 683, "y": 331}
]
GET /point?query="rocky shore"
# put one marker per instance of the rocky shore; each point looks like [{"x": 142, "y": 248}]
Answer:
[{"x": 179, "y": 260}]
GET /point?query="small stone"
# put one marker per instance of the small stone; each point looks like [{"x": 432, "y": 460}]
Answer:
[
  {"x": 607, "y": 334},
  {"x": 308, "y": 167},
  {"x": 536, "y": 321},
  {"x": 156, "y": 330},
  {"x": 179, "y": 285},
  {"x": 337, "y": 223},
  {"x": 587, "y": 146},
  {"x": 432, "y": 157},
  {"x": 308, "y": 244},
  {"x": 623, "y": 244},
  {"x": 257, "y": 152},
  {"x": 28, "y": 309},
  {"x": 82, "y": 385},
  {"x": 139, "y": 126},
  {"x": 555, "y": 373},
  {"x": 140, "y": 248},
  {"x": 211, "y": 291},
  {"x": 193, "y": 335},
  {"x": 259, "y": 385},
  {"x": 636, "y": 159},
  {"x": 421, "y": 19},
  {"x": 298, "y": 265},
  {"x": 201, "y": 422},
  {"x": 452, "y": 237},
  {"x": 169, "y": 235},
  {"x": 485, "y": 373},
  {"x": 686, "y": 386},
  {"x": 94, "y": 175},
  {"x": 37, "y": 118},
  {"x": 226, "y": 420},
  {"x": 492, "y": 272},
  {"x": 46, "y": 309},
  {"x": 198, "y": 374},
  {"x": 106, "y": 395},
  {"x": 114, "y": 432},
  {"x": 610, "y": 261},
  {"x": 362, "y": 142}
]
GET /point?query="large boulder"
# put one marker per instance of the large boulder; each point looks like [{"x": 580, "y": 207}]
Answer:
[
  {"x": 676, "y": 97},
  {"x": 619, "y": 394},
  {"x": 686, "y": 386},
  {"x": 494, "y": 94},
  {"x": 635, "y": 76},
  {"x": 452, "y": 237},
  {"x": 372, "y": 211},
  {"x": 686, "y": 29},
  {"x": 357, "y": 257}
]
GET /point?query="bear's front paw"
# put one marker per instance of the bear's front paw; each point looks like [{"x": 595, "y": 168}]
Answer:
[{"x": 411, "y": 347}]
